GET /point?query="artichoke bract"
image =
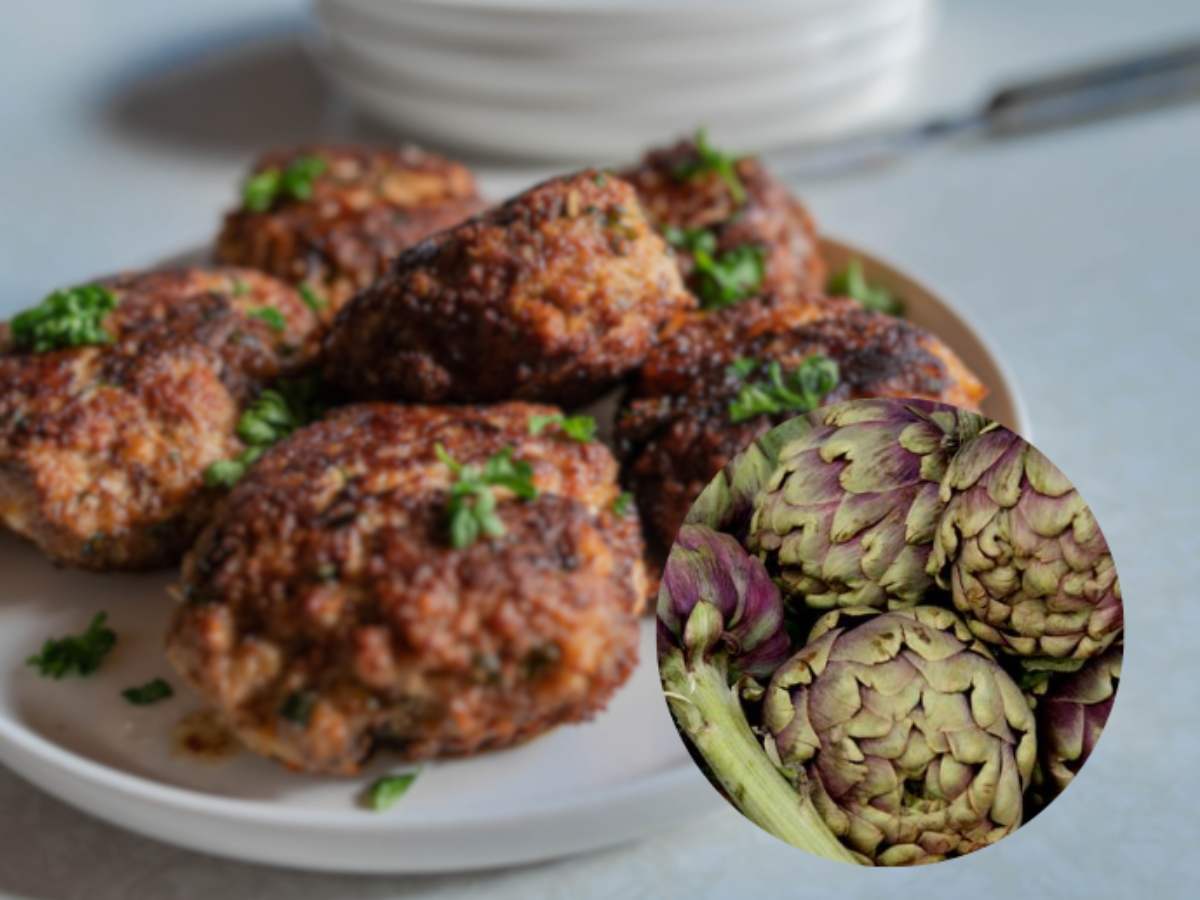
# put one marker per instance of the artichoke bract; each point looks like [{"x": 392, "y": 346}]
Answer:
[
  {"x": 1022, "y": 554},
  {"x": 849, "y": 514},
  {"x": 915, "y": 744},
  {"x": 1072, "y": 713},
  {"x": 720, "y": 622}
]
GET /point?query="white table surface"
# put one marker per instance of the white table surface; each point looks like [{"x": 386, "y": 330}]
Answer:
[{"x": 125, "y": 125}]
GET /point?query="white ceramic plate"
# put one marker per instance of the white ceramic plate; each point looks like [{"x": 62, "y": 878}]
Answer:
[{"x": 620, "y": 777}]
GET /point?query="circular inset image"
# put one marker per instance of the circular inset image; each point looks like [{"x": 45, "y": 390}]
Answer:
[{"x": 890, "y": 631}]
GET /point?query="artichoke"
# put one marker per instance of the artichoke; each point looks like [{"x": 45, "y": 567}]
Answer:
[
  {"x": 848, "y": 516},
  {"x": 1072, "y": 713},
  {"x": 1022, "y": 554},
  {"x": 720, "y": 622},
  {"x": 914, "y": 743}
]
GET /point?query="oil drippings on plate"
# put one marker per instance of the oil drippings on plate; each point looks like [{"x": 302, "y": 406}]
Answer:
[{"x": 201, "y": 736}]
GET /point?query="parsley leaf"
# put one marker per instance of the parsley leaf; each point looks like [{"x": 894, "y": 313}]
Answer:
[
  {"x": 295, "y": 182},
  {"x": 66, "y": 318},
  {"x": 385, "y": 791},
  {"x": 75, "y": 654},
  {"x": 577, "y": 428},
  {"x": 271, "y": 316},
  {"x": 710, "y": 159},
  {"x": 851, "y": 282},
  {"x": 298, "y": 707},
  {"x": 311, "y": 298},
  {"x": 799, "y": 390},
  {"x": 150, "y": 692},
  {"x": 724, "y": 279},
  {"x": 471, "y": 511},
  {"x": 741, "y": 367},
  {"x": 621, "y": 505},
  {"x": 275, "y": 414}
]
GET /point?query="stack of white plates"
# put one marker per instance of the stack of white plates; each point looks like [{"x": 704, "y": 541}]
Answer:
[{"x": 601, "y": 79}]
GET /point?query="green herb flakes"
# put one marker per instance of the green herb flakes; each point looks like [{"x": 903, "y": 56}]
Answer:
[
  {"x": 723, "y": 279},
  {"x": 621, "y": 505},
  {"x": 150, "y": 692},
  {"x": 798, "y": 391},
  {"x": 271, "y": 316},
  {"x": 384, "y": 792},
  {"x": 273, "y": 416},
  {"x": 67, "y": 318},
  {"x": 577, "y": 428},
  {"x": 311, "y": 298},
  {"x": 851, "y": 282},
  {"x": 298, "y": 707},
  {"x": 471, "y": 511},
  {"x": 294, "y": 182},
  {"x": 709, "y": 159},
  {"x": 75, "y": 654}
]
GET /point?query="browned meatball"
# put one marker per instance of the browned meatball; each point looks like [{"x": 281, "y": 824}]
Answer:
[
  {"x": 553, "y": 296},
  {"x": 325, "y": 611},
  {"x": 366, "y": 205},
  {"x": 675, "y": 429},
  {"x": 677, "y": 191},
  {"x": 103, "y": 447}
]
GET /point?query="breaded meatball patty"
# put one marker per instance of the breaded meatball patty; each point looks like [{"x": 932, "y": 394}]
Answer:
[
  {"x": 103, "y": 446},
  {"x": 362, "y": 206},
  {"x": 325, "y": 611},
  {"x": 675, "y": 429},
  {"x": 553, "y": 296},
  {"x": 678, "y": 191}
]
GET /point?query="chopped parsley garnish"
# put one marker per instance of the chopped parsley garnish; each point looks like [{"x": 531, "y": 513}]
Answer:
[
  {"x": 150, "y": 692},
  {"x": 239, "y": 287},
  {"x": 298, "y": 707},
  {"x": 75, "y": 654},
  {"x": 742, "y": 367},
  {"x": 851, "y": 282},
  {"x": 600, "y": 179},
  {"x": 800, "y": 390},
  {"x": 726, "y": 278},
  {"x": 621, "y": 505},
  {"x": 273, "y": 416},
  {"x": 577, "y": 428},
  {"x": 311, "y": 298},
  {"x": 293, "y": 182},
  {"x": 710, "y": 159},
  {"x": 271, "y": 316},
  {"x": 67, "y": 318},
  {"x": 472, "y": 507},
  {"x": 384, "y": 792}
]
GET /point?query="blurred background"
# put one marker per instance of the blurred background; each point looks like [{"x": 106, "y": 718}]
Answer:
[{"x": 129, "y": 123}]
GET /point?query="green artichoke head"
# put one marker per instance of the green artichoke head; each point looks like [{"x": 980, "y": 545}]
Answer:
[
  {"x": 1022, "y": 554},
  {"x": 914, "y": 743},
  {"x": 1072, "y": 713},
  {"x": 847, "y": 517}
]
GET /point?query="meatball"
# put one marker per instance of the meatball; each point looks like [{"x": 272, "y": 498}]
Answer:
[
  {"x": 103, "y": 447},
  {"x": 326, "y": 613},
  {"x": 678, "y": 191},
  {"x": 362, "y": 208},
  {"x": 675, "y": 429},
  {"x": 553, "y": 296}
]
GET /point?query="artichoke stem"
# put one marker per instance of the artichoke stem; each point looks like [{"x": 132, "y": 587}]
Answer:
[{"x": 708, "y": 712}]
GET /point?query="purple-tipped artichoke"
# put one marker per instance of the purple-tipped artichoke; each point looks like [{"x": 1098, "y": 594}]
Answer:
[
  {"x": 708, "y": 567},
  {"x": 915, "y": 744},
  {"x": 848, "y": 516},
  {"x": 1022, "y": 554},
  {"x": 720, "y": 621},
  {"x": 1071, "y": 715}
]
